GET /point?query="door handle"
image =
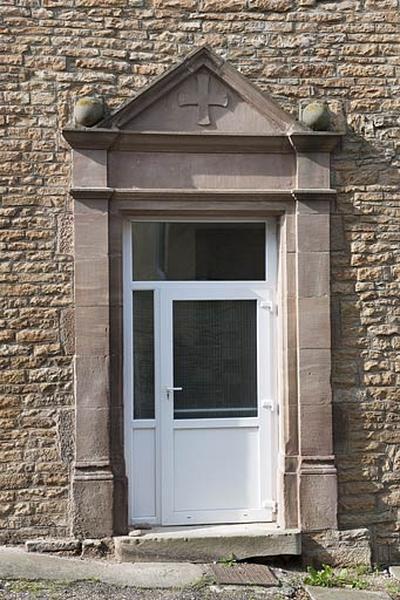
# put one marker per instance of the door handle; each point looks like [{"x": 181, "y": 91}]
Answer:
[{"x": 171, "y": 390}]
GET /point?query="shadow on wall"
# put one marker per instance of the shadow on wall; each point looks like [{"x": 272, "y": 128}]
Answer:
[{"x": 364, "y": 245}]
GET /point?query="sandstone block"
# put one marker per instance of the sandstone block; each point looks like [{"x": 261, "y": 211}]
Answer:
[
  {"x": 216, "y": 6},
  {"x": 338, "y": 548}
]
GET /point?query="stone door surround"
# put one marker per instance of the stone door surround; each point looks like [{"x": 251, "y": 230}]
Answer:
[{"x": 203, "y": 142}]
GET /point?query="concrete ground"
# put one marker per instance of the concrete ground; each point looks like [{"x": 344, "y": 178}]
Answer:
[
  {"x": 30, "y": 576},
  {"x": 16, "y": 563},
  {"x": 22, "y": 590}
]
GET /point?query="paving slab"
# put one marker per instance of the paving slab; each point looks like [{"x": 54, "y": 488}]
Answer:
[
  {"x": 320, "y": 593},
  {"x": 16, "y": 563},
  {"x": 395, "y": 571}
]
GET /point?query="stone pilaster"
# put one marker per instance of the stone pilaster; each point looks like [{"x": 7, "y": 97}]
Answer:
[
  {"x": 316, "y": 469},
  {"x": 92, "y": 485}
]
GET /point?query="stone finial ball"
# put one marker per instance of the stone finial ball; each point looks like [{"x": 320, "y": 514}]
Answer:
[
  {"x": 316, "y": 116},
  {"x": 88, "y": 111}
]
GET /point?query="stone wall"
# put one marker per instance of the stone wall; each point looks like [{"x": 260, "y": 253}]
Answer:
[{"x": 344, "y": 51}]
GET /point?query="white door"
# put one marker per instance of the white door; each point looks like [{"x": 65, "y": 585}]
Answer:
[
  {"x": 217, "y": 400},
  {"x": 199, "y": 370}
]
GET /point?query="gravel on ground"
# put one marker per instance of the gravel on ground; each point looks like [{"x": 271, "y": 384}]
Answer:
[
  {"x": 91, "y": 590},
  {"x": 291, "y": 587}
]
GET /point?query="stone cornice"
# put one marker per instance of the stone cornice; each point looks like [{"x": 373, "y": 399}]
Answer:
[
  {"x": 150, "y": 141},
  {"x": 315, "y": 141},
  {"x": 96, "y": 139},
  {"x": 212, "y": 142},
  {"x": 179, "y": 194},
  {"x": 201, "y": 194},
  {"x": 91, "y": 193},
  {"x": 314, "y": 194}
]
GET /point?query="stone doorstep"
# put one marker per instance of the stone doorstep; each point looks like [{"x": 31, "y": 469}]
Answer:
[{"x": 207, "y": 543}]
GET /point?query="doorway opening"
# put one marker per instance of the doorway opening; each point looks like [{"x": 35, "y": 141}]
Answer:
[{"x": 200, "y": 382}]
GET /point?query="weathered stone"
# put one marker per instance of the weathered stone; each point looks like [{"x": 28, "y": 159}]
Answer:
[
  {"x": 136, "y": 532},
  {"x": 316, "y": 116},
  {"x": 202, "y": 547},
  {"x": 319, "y": 593},
  {"x": 66, "y": 437},
  {"x": 338, "y": 548},
  {"x": 395, "y": 572},
  {"x": 88, "y": 111},
  {"x": 49, "y": 545},
  {"x": 97, "y": 548},
  {"x": 65, "y": 233}
]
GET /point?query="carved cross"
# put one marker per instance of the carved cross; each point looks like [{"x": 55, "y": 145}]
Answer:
[{"x": 203, "y": 99}]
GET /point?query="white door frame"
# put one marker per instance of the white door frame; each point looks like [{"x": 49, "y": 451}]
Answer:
[{"x": 264, "y": 291}]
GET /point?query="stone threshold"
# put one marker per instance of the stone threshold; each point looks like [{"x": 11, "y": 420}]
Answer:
[{"x": 207, "y": 543}]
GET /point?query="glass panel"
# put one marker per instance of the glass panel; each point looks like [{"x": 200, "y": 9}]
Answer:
[
  {"x": 215, "y": 358},
  {"x": 198, "y": 251},
  {"x": 143, "y": 355}
]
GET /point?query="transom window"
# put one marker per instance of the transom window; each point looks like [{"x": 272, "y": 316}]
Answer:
[{"x": 198, "y": 251}]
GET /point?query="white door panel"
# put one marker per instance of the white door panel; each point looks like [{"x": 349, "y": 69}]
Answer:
[
  {"x": 208, "y": 469},
  {"x": 144, "y": 474}
]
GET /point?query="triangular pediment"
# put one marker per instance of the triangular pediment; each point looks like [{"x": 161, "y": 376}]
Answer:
[{"x": 203, "y": 93}]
